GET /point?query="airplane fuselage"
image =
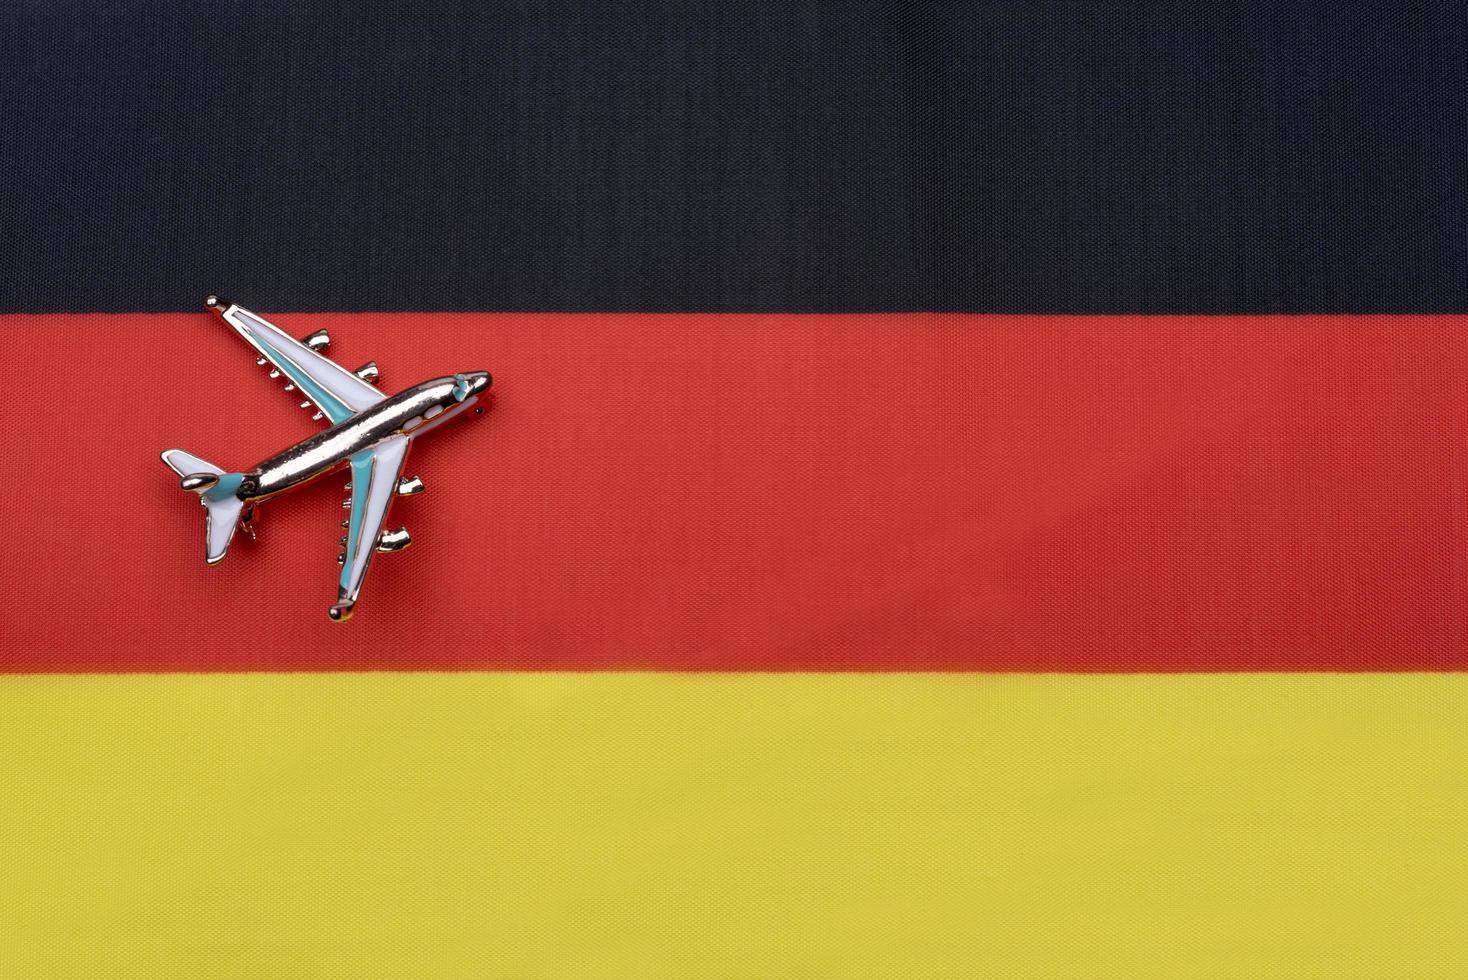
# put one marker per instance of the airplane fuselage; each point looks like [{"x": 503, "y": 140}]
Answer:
[{"x": 410, "y": 413}]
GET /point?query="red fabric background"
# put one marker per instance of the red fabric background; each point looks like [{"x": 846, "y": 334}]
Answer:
[{"x": 811, "y": 492}]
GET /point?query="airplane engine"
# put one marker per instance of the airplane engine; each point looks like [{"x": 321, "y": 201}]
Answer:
[{"x": 394, "y": 540}]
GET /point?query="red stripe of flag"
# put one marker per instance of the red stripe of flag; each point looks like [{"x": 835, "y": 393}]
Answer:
[{"x": 768, "y": 492}]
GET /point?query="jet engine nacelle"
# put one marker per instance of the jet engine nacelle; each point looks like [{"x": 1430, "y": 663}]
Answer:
[{"x": 394, "y": 540}]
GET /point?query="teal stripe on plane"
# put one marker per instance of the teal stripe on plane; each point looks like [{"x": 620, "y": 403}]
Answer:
[
  {"x": 333, "y": 406},
  {"x": 361, "y": 483},
  {"x": 225, "y": 488}
]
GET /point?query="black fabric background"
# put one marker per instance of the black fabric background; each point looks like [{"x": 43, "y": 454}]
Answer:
[{"x": 1017, "y": 156}]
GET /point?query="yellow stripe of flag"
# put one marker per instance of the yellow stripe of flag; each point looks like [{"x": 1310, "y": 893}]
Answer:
[{"x": 704, "y": 826}]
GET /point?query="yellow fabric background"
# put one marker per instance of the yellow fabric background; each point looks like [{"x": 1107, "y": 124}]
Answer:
[{"x": 793, "y": 825}]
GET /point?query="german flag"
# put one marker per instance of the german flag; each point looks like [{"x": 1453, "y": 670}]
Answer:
[{"x": 972, "y": 491}]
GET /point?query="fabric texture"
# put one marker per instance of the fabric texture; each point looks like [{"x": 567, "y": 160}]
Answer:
[
  {"x": 1015, "y": 156},
  {"x": 1300, "y": 827},
  {"x": 725, "y": 492},
  {"x": 972, "y": 490}
]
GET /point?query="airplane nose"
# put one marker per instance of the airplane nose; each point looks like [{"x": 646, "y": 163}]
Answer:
[{"x": 478, "y": 381}]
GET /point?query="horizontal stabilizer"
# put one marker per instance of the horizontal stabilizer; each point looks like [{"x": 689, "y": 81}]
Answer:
[
  {"x": 216, "y": 490},
  {"x": 186, "y": 464}
]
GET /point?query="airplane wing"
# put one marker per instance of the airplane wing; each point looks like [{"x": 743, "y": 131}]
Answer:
[
  {"x": 375, "y": 475},
  {"x": 336, "y": 392}
]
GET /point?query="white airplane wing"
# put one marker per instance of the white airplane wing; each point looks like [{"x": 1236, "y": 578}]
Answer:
[
  {"x": 336, "y": 392},
  {"x": 375, "y": 474}
]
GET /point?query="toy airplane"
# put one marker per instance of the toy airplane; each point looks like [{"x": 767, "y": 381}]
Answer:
[{"x": 369, "y": 432}]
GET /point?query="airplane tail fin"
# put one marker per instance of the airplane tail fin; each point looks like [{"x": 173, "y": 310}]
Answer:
[{"x": 216, "y": 490}]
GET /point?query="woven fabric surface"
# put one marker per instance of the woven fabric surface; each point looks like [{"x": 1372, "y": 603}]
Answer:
[{"x": 972, "y": 490}]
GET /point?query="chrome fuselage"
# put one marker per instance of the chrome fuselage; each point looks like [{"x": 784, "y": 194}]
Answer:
[{"x": 410, "y": 412}]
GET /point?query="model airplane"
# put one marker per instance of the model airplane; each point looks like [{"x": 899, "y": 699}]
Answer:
[{"x": 369, "y": 432}]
